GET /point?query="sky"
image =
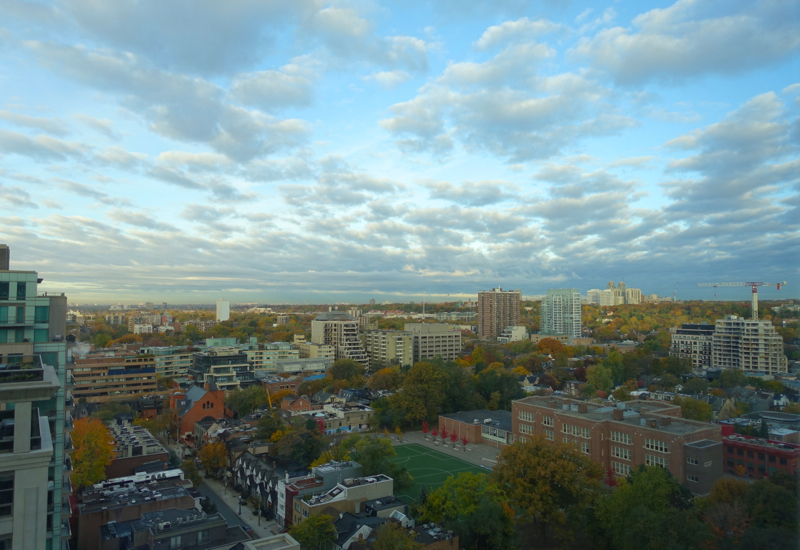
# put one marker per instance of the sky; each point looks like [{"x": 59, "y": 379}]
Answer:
[{"x": 312, "y": 151}]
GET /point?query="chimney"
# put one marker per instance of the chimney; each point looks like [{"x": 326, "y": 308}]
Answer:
[
  {"x": 552, "y": 404},
  {"x": 652, "y": 423},
  {"x": 207, "y": 386},
  {"x": 583, "y": 408},
  {"x": 618, "y": 414},
  {"x": 665, "y": 420}
]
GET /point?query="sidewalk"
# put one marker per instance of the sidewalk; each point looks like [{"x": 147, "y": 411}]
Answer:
[{"x": 248, "y": 515}]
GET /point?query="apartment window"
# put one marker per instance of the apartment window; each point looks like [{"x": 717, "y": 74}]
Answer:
[
  {"x": 655, "y": 445},
  {"x": 585, "y": 433},
  {"x": 21, "y": 290},
  {"x": 620, "y": 452},
  {"x": 202, "y": 537},
  {"x": 40, "y": 335},
  {"x": 730, "y": 449},
  {"x": 694, "y": 479},
  {"x": 3, "y": 290},
  {"x": 772, "y": 459},
  {"x": 783, "y": 461},
  {"x": 175, "y": 542},
  {"x": 585, "y": 448},
  {"x": 6, "y": 493},
  {"x": 565, "y": 428},
  {"x": 526, "y": 416},
  {"x": 20, "y": 315},
  {"x": 622, "y": 469},
  {"x": 740, "y": 452},
  {"x": 305, "y": 512},
  {"x": 41, "y": 314},
  {"x": 620, "y": 437},
  {"x": 565, "y": 440},
  {"x": 576, "y": 430},
  {"x": 548, "y": 434},
  {"x": 730, "y": 462},
  {"x": 761, "y": 456},
  {"x": 651, "y": 460},
  {"x": 749, "y": 454},
  {"x": 691, "y": 461},
  {"x": 5, "y": 542},
  {"x": 523, "y": 439},
  {"x": 547, "y": 420}
]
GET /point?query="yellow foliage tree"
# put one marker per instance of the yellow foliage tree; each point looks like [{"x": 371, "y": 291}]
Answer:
[
  {"x": 214, "y": 457},
  {"x": 94, "y": 450}
]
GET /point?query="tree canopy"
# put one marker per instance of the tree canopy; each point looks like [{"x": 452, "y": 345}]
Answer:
[
  {"x": 315, "y": 532},
  {"x": 94, "y": 450}
]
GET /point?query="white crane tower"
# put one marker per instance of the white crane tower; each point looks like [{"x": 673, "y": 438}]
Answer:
[{"x": 755, "y": 291}]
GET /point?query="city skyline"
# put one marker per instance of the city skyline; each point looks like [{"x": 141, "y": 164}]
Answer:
[{"x": 337, "y": 152}]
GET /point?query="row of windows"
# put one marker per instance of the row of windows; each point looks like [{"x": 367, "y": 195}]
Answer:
[
  {"x": 548, "y": 434},
  {"x": 526, "y": 428},
  {"x": 751, "y": 454},
  {"x": 621, "y": 437},
  {"x": 651, "y": 460},
  {"x": 547, "y": 420},
  {"x": 620, "y": 452},
  {"x": 655, "y": 445},
  {"x": 575, "y": 430},
  {"x": 527, "y": 416},
  {"x": 622, "y": 469}
]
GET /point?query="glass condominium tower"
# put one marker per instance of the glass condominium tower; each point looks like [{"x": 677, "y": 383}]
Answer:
[
  {"x": 33, "y": 332},
  {"x": 561, "y": 313}
]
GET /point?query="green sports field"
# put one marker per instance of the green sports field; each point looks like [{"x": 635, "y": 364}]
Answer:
[{"x": 429, "y": 468}]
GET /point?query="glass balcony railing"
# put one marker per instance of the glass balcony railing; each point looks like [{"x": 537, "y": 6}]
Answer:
[
  {"x": 21, "y": 368},
  {"x": 7, "y": 431}
]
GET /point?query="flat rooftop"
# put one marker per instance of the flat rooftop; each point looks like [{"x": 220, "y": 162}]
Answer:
[
  {"x": 633, "y": 413},
  {"x": 497, "y": 419}
]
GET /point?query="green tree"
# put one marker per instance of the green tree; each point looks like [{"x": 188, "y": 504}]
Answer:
[
  {"x": 315, "y": 533},
  {"x": 345, "y": 369},
  {"x": 375, "y": 456},
  {"x": 600, "y": 377},
  {"x": 650, "y": 509},
  {"x": 423, "y": 392},
  {"x": 243, "y": 401},
  {"x": 269, "y": 424},
  {"x": 695, "y": 385},
  {"x": 302, "y": 445},
  {"x": 693, "y": 409},
  {"x": 730, "y": 378},
  {"x": 552, "y": 485},
  {"x": 101, "y": 340},
  {"x": 392, "y": 536},
  {"x": 190, "y": 472}
]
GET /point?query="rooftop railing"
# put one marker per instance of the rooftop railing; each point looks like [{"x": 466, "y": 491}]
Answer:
[{"x": 21, "y": 368}]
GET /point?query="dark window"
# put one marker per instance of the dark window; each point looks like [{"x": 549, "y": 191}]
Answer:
[
  {"x": 761, "y": 456},
  {"x": 42, "y": 314},
  {"x": 749, "y": 454},
  {"x": 730, "y": 462},
  {"x": 761, "y": 468},
  {"x": 730, "y": 449},
  {"x": 20, "y": 315},
  {"x": 783, "y": 461},
  {"x": 772, "y": 459},
  {"x": 21, "y": 290},
  {"x": 3, "y": 290},
  {"x": 6, "y": 493},
  {"x": 740, "y": 452}
]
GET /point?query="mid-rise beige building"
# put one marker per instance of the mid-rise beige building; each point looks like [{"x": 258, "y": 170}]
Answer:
[
  {"x": 752, "y": 346},
  {"x": 310, "y": 350},
  {"x": 435, "y": 340},
  {"x": 386, "y": 346},
  {"x": 103, "y": 376}
]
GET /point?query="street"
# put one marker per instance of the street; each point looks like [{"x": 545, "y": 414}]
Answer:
[{"x": 230, "y": 515}]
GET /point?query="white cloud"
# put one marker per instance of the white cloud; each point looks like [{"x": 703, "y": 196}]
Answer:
[
  {"x": 515, "y": 30},
  {"x": 389, "y": 79},
  {"x": 53, "y": 126}
]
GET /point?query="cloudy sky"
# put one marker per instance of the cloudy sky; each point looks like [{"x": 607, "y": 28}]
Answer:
[{"x": 317, "y": 151}]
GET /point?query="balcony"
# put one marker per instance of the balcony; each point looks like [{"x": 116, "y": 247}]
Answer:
[
  {"x": 68, "y": 443},
  {"x": 22, "y": 368},
  {"x": 8, "y": 420}
]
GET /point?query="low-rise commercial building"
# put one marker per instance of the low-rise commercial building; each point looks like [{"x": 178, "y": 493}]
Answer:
[
  {"x": 134, "y": 447},
  {"x": 342, "y": 417},
  {"x": 493, "y": 428},
  {"x": 346, "y": 496},
  {"x": 754, "y": 457},
  {"x": 106, "y": 375},
  {"x": 303, "y": 366},
  {"x": 513, "y": 334},
  {"x": 624, "y": 436},
  {"x": 322, "y": 478}
]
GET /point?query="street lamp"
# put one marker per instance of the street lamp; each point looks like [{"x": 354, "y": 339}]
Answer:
[{"x": 240, "y": 505}]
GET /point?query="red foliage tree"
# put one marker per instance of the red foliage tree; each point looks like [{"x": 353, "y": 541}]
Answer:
[
  {"x": 321, "y": 426},
  {"x": 454, "y": 437},
  {"x": 464, "y": 441},
  {"x": 434, "y": 432},
  {"x": 425, "y": 429},
  {"x": 611, "y": 478},
  {"x": 444, "y": 434}
]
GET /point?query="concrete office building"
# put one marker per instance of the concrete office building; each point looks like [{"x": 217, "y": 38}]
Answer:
[
  {"x": 497, "y": 309},
  {"x": 693, "y": 342},
  {"x": 113, "y": 375},
  {"x": 435, "y": 340},
  {"x": 624, "y": 436},
  {"x": 223, "y": 310},
  {"x": 561, "y": 313},
  {"x": 35, "y": 324},
  {"x": 752, "y": 346},
  {"x": 340, "y": 330}
]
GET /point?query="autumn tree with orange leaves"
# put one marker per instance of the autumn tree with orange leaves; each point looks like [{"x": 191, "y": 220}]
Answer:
[{"x": 94, "y": 450}]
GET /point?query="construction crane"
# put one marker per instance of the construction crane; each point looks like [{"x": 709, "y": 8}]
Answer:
[{"x": 754, "y": 286}]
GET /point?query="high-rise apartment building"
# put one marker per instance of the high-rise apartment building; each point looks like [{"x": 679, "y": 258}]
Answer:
[
  {"x": 561, "y": 313},
  {"x": 33, "y": 331},
  {"x": 497, "y": 309},
  {"x": 752, "y": 346},
  {"x": 340, "y": 330},
  {"x": 223, "y": 310},
  {"x": 693, "y": 342},
  {"x": 633, "y": 296},
  {"x": 386, "y": 346}
]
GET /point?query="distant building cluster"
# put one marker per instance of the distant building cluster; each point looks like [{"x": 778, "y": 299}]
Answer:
[{"x": 615, "y": 295}]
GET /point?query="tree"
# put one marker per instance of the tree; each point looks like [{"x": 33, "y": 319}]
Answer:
[
  {"x": 392, "y": 536},
  {"x": 693, "y": 409},
  {"x": 214, "y": 457},
  {"x": 94, "y": 450},
  {"x": 730, "y": 378},
  {"x": 302, "y": 445},
  {"x": 170, "y": 422},
  {"x": 695, "y": 385},
  {"x": 648, "y": 509},
  {"x": 101, "y": 340},
  {"x": 190, "y": 471},
  {"x": 422, "y": 394},
  {"x": 386, "y": 379},
  {"x": 550, "y": 484},
  {"x": 345, "y": 369},
  {"x": 243, "y": 401},
  {"x": 315, "y": 533},
  {"x": 375, "y": 456},
  {"x": 622, "y": 394},
  {"x": 600, "y": 377},
  {"x": 792, "y": 408},
  {"x": 268, "y": 424},
  {"x": 551, "y": 346}
]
